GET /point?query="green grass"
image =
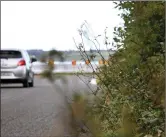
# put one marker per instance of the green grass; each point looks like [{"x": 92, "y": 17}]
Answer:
[
  {"x": 73, "y": 73},
  {"x": 70, "y": 73}
]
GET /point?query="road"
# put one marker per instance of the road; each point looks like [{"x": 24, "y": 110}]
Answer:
[{"x": 33, "y": 112}]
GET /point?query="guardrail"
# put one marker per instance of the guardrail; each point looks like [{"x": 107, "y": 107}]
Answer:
[{"x": 65, "y": 67}]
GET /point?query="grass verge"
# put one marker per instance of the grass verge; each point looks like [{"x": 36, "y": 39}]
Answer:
[{"x": 69, "y": 73}]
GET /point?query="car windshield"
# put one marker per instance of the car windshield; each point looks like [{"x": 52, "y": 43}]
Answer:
[{"x": 10, "y": 54}]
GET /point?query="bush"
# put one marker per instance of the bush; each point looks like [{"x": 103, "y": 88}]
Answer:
[
  {"x": 130, "y": 97},
  {"x": 132, "y": 85}
]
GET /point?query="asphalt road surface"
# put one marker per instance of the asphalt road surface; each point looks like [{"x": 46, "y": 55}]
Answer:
[{"x": 33, "y": 112}]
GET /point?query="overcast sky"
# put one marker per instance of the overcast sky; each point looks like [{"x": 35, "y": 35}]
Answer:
[{"x": 52, "y": 24}]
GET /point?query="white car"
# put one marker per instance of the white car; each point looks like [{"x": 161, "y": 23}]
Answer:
[{"x": 16, "y": 67}]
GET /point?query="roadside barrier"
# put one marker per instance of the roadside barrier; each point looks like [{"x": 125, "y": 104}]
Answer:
[{"x": 66, "y": 67}]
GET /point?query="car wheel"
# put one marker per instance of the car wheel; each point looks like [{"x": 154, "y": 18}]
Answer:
[{"x": 26, "y": 83}]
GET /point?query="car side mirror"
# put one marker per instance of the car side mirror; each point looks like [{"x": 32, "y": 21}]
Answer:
[{"x": 33, "y": 59}]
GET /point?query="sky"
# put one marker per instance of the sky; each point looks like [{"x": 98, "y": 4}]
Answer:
[{"x": 53, "y": 24}]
